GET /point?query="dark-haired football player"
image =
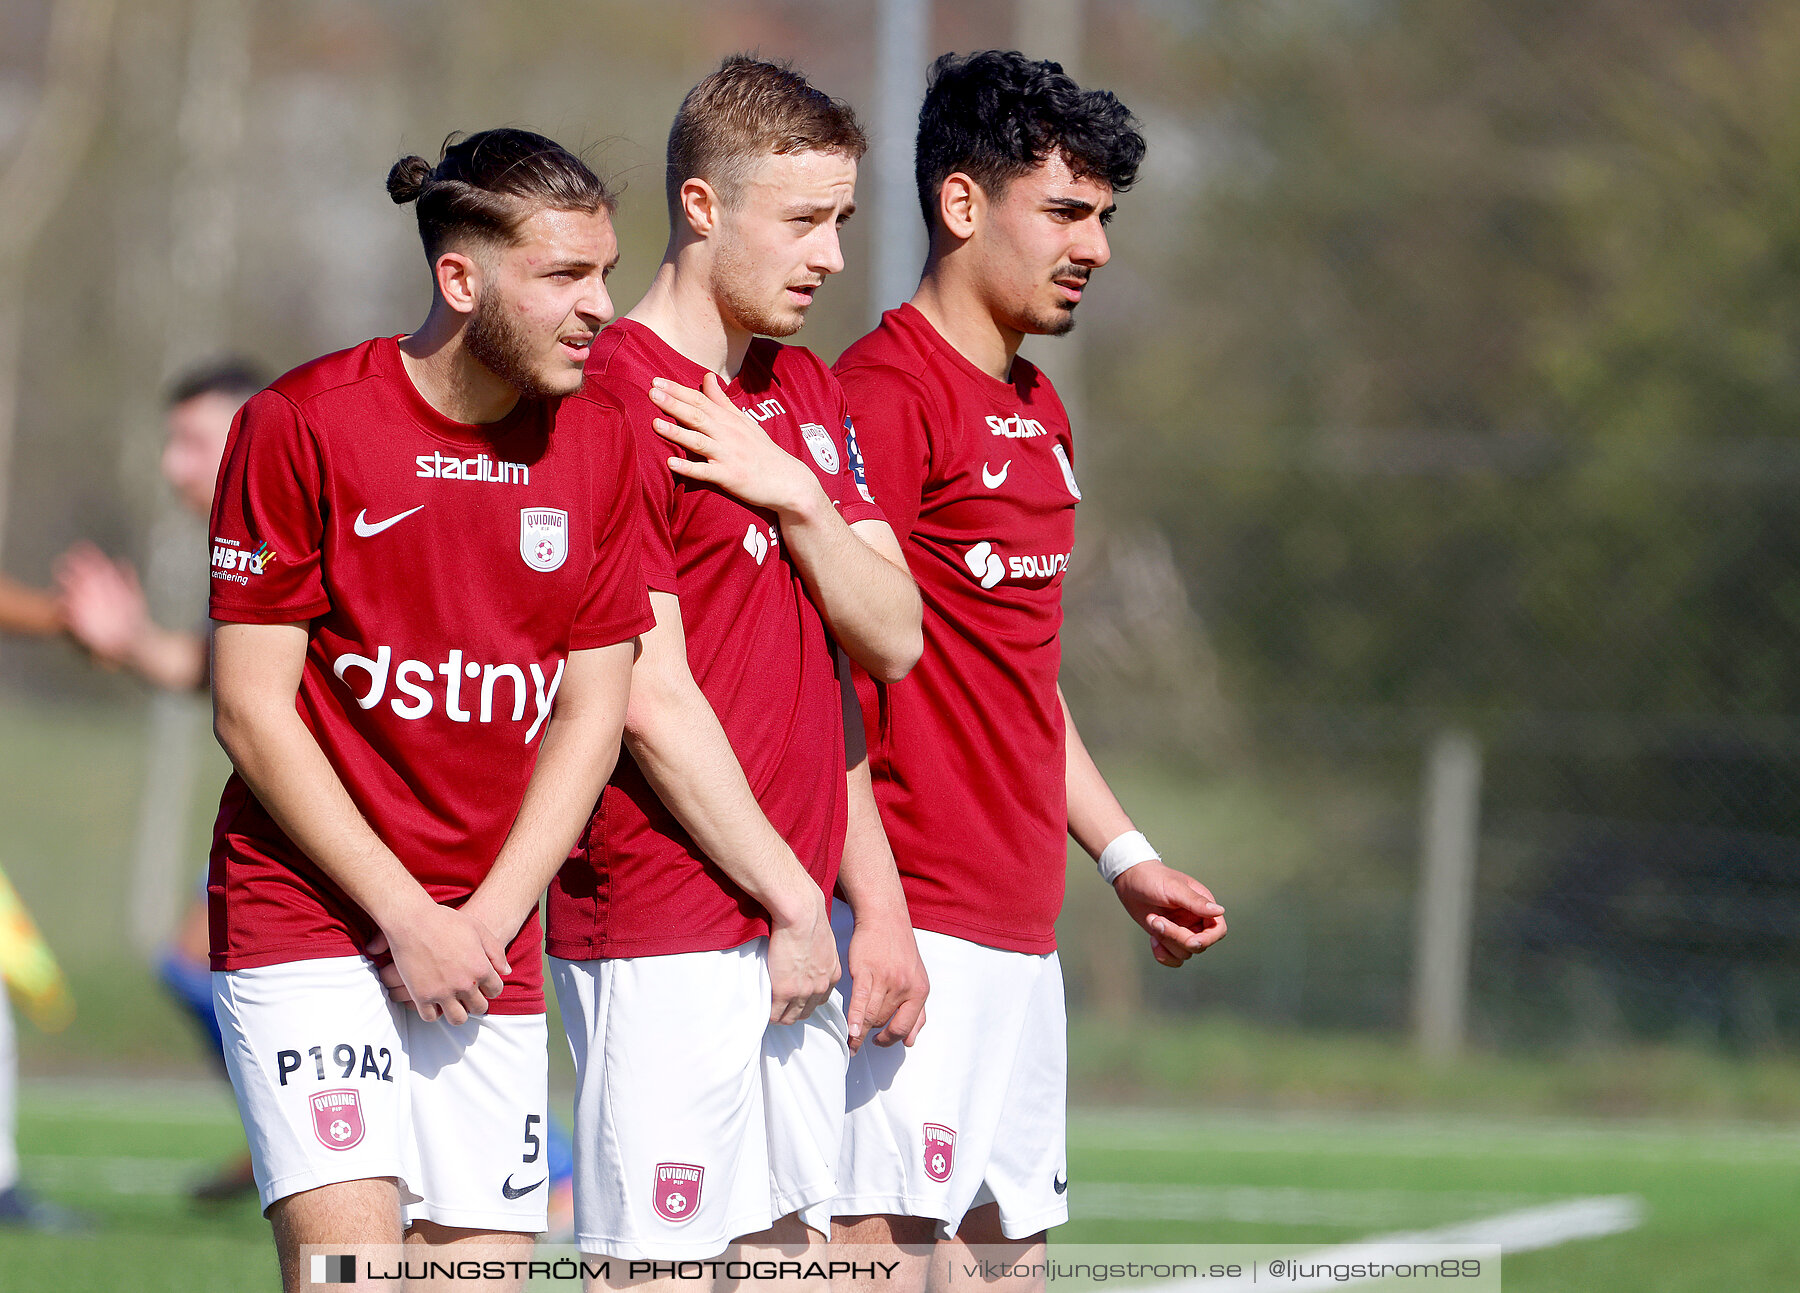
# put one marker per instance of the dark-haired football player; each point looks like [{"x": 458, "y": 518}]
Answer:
[{"x": 979, "y": 773}]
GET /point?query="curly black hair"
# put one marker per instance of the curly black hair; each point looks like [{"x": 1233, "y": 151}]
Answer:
[{"x": 997, "y": 114}]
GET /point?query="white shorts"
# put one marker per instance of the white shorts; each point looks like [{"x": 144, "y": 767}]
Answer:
[
  {"x": 975, "y": 1111},
  {"x": 696, "y": 1121},
  {"x": 337, "y": 1083}
]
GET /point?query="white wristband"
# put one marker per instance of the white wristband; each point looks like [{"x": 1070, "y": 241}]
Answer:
[{"x": 1124, "y": 853}]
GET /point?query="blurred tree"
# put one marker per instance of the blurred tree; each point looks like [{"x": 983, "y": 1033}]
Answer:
[
  {"x": 1479, "y": 389},
  {"x": 37, "y": 177}
]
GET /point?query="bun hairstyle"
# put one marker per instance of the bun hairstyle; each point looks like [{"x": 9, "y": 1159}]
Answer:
[
  {"x": 485, "y": 185},
  {"x": 406, "y": 180},
  {"x": 996, "y": 115}
]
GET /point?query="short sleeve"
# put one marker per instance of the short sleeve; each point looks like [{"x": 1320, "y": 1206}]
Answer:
[
  {"x": 849, "y": 488},
  {"x": 660, "y": 498},
  {"x": 268, "y": 525},
  {"x": 614, "y": 606},
  {"x": 892, "y": 450}
]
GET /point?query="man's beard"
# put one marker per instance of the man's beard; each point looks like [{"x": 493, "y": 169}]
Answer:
[
  {"x": 732, "y": 271},
  {"x": 1059, "y": 319},
  {"x": 495, "y": 339}
]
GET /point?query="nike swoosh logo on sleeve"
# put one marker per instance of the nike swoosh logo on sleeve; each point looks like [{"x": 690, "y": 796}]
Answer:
[{"x": 368, "y": 531}]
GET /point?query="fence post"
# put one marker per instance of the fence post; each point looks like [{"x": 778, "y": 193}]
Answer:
[
  {"x": 1449, "y": 831},
  {"x": 902, "y": 54}
]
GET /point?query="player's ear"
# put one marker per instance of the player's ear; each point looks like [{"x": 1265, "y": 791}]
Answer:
[
  {"x": 700, "y": 207},
  {"x": 960, "y": 205},
  {"x": 458, "y": 280}
]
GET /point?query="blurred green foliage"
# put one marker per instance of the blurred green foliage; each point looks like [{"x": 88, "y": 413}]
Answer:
[
  {"x": 1478, "y": 382},
  {"x": 1445, "y": 372}
]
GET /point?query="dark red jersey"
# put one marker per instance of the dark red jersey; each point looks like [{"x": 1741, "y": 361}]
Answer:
[
  {"x": 977, "y": 477},
  {"x": 637, "y": 885},
  {"x": 445, "y": 571}
]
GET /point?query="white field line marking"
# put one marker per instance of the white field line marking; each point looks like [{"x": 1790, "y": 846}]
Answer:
[
  {"x": 1524, "y": 1231},
  {"x": 1286, "y": 1205}
]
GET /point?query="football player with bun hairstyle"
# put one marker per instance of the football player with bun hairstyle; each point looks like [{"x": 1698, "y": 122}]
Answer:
[
  {"x": 427, "y": 586},
  {"x": 979, "y": 772},
  {"x": 695, "y": 954}
]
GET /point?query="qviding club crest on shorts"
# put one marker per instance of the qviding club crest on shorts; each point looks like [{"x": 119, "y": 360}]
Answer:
[
  {"x": 543, "y": 537},
  {"x": 337, "y": 1119},
  {"x": 677, "y": 1190},
  {"x": 940, "y": 1151}
]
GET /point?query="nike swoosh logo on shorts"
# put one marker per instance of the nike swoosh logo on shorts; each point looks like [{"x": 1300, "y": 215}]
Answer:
[
  {"x": 1059, "y": 1183},
  {"x": 367, "y": 531},
  {"x": 992, "y": 481},
  {"x": 523, "y": 1190}
]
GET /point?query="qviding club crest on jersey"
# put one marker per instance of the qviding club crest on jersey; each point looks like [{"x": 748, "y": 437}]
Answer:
[
  {"x": 940, "y": 1151},
  {"x": 337, "y": 1119},
  {"x": 824, "y": 450},
  {"x": 677, "y": 1196},
  {"x": 543, "y": 537}
]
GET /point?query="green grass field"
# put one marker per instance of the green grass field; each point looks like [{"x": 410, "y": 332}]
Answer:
[
  {"x": 1721, "y": 1200},
  {"x": 118, "y": 1118}
]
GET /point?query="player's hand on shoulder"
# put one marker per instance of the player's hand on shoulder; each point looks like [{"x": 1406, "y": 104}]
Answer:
[
  {"x": 888, "y": 983},
  {"x": 446, "y": 963},
  {"x": 803, "y": 961},
  {"x": 1179, "y": 913},
  {"x": 732, "y": 450}
]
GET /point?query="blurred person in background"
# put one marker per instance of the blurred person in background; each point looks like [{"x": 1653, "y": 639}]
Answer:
[
  {"x": 979, "y": 772},
  {"x": 28, "y": 969},
  {"x": 106, "y": 611},
  {"x": 28, "y": 612},
  {"x": 102, "y": 601}
]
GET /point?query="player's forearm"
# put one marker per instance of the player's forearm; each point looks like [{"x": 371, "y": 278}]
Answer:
[
  {"x": 1096, "y": 818},
  {"x": 677, "y": 741},
  {"x": 167, "y": 659},
  {"x": 869, "y": 600},
  {"x": 580, "y": 748},
  {"x": 868, "y": 877},
  {"x": 287, "y": 771},
  {"x": 26, "y": 610}
]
